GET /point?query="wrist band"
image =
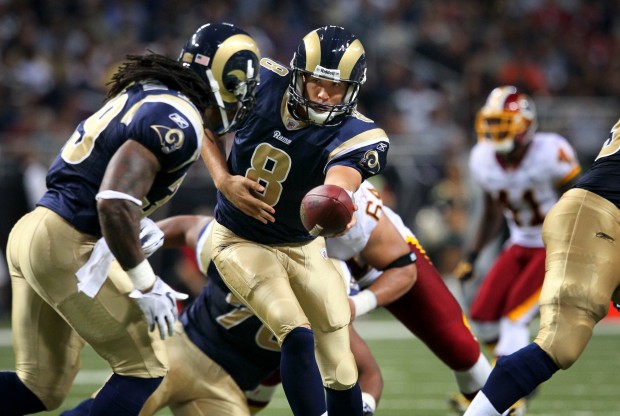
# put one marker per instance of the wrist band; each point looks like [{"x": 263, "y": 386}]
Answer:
[
  {"x": 142, "y": 276},
  {"x": 364, "y": 302},
  {"x": 109, "y": 194}
]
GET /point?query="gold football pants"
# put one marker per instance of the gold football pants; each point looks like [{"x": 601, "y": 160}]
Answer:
[
  {"x": 51, "y": 320},
  {"x": 581, "y": 233},
  {"x": 290, "y": 286}
]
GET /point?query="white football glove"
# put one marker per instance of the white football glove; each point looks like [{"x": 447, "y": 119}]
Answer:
[
  {"x": 151, "y": 236},
  {"x": 159, "y": 306}
]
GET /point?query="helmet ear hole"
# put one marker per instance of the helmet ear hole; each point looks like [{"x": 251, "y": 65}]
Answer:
[{"x": 224, "y": 71}]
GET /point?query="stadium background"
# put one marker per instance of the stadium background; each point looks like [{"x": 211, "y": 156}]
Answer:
[{"x": 430, "y": 66}]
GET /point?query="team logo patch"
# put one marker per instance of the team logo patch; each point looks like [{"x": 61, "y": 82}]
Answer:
[
  {"x": 324, "y": 253},
  {"x": 291, "y": 123},
  {"x": 278, "y": 136},
  {"x": 370, "y": 162},
  {"x": 169, "y": 138}
]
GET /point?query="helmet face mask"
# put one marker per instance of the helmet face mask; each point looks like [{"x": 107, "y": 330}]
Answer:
[
  {"x": 507, "y": 119},
  {"x": 227, "y": 59},
  {"x": 332, "y": 54}
]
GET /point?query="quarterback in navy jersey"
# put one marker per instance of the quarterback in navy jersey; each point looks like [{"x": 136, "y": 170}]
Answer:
[
  {"x": 304, "y": 131},
  {"x": 119, "y": 165},
  {"x": 581, "y": 278},
  {"x": 275, "y": 149}
]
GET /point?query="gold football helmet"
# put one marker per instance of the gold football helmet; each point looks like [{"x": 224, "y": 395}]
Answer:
[
  {"x": 507, "y": 119},
  {"x": 334, "y": 54},
  {"x": 227, "y": 59}
]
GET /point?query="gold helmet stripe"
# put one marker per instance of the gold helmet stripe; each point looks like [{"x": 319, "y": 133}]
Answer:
[
  {"x": 313, "y": 51},
  {"x": 350, "y": 58},
  {"x": 227, "y": 49}
]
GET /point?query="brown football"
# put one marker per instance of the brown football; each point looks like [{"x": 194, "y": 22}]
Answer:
[{"x": 326, "y": 210}]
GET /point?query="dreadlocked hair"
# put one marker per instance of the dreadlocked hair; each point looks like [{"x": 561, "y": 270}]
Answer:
[{"x": 165, "y": 70}]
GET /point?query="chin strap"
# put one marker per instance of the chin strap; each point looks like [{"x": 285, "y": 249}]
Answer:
[{"x": 215, "y": 89}]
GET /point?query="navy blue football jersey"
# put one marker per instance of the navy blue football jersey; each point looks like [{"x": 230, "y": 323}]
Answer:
[
  {"x": 289, "y": 158},
  {"x": 162, "y": 120},
  {"x": 603, "y": 178},
  {"x": 230, "y": 334}
]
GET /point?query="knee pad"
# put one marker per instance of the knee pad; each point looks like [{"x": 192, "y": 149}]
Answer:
[
  {"x": 335, "y": 359},
  {"x": 283, "y": 316},
  {"x": 571, "y": 325},
  {"x": 53, "y": 394}
]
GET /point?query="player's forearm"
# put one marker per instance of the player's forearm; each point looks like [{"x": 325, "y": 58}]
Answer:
[
  {"x": 393, "y": 283},
  {"x": 213, "y": 153},
  {"x": 345, "y": 177},
  {"x": 120, "y": 226}
]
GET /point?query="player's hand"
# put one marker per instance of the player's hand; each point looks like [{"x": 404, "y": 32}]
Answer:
[
  {"x": 244, "y": 194},
  {"x": 464, "y": 270},
  {"x": 159, "y": 306},
  {"x": 151, "y": 237},
  {"x": 350, "y": 225}
]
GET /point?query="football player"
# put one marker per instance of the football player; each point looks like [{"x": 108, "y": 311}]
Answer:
[
  {"x": 120, "y": 164},
  {"x": 222, "y": 351},
  {"x": 522, "y": 173},
  {"x": 304, "y": 132},
  {"x": 394, "y": 272},
  {"x": 580, "y": 234}
]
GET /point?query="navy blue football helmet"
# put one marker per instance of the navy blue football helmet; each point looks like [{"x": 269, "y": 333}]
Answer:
[
  {"x": 334, "y": 54},
  {"x": 227, "y": 59}
]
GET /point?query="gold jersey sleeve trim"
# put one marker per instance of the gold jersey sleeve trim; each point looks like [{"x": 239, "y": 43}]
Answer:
[{"x": 364, "y": 139}]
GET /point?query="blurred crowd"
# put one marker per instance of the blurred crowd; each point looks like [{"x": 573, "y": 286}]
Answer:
[{"x": 431, "y": 63}]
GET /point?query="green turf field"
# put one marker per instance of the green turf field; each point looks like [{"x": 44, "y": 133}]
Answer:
[{"x": 417, "y": 384}]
